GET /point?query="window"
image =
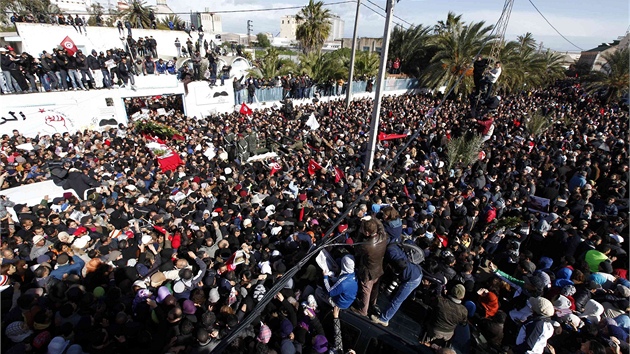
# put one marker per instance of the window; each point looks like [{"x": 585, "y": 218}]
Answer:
[
  {"x": 283, "y": 22},
  {"x": 383, "y": 345},
  {"x": 349, "y": 335},
  {"x": 366, "y": 48}
]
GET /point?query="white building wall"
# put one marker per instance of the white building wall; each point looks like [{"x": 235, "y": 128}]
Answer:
[
  {"x": 288, "y": 26},
  {"x": 72, "y": 5},
  {"x": 37, "y": 37},
  {"x": 336, "y": 30},
  {"x": 211, "y": 23}
]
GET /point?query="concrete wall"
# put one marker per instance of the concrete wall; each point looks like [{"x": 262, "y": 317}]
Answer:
[{"x": 38, "y": 37}]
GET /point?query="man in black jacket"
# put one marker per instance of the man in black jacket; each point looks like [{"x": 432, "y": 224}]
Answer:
[
  {"x": 49, "y": 67},
  {"x": 73, "y": 72},
  {"x": 29, "y": 69},
  {"x": 84, "y": 69},
  {"x": 14, "y": 69},
  {"x": 94, "y": 68},
  {"x": 79, "y": 181},
  {"x": 5, "y": 63},
  {"x": 62, "y": 72},
  {"x": 125, "y": 72}
]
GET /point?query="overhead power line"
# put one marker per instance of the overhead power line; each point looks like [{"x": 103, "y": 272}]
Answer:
[
  {"x": 380, "y": 14},
  {"x": 554, "y": 28},
  {"x": 395, "y": 16},
  {"x": 212, "y": 12}
]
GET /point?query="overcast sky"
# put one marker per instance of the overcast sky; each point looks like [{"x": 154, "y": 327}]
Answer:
[{"x": 586, "y": 23}]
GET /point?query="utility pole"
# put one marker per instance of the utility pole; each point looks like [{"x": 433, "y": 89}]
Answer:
[
  {"x": 249, "y": 30},
  {"x": 352, "y": 56},
  {"x": 376, "y": 111}
]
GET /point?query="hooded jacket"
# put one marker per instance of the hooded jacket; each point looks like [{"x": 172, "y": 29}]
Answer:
[{"x": 344, "y": 290}]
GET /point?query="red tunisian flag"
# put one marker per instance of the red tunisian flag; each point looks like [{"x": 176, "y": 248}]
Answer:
[
  {"x": 69, "y": 46},
  {"x": 382, "y": 136},
  {"x": 275, "y": 167},
  {"x": 169, "y": 161},
  {"x": 339, "y": 175},
  {"x": 313, "y": 167},
  {"x": 245, "y": 109}
]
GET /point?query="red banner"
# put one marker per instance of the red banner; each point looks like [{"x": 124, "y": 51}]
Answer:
[
  {"x": 275, "y": 167},
  {"x": 245, "y": 109},
  {"x": 339, "y": 175},
  {"x": 382, "y": 136},
  {"x": 69, "y": 46},
  {"x": 313, "y": 167}
]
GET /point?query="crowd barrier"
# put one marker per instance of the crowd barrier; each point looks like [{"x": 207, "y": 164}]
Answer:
[{"x": 269, "y": 94}]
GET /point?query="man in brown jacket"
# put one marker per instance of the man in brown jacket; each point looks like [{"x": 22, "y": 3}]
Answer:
[{"x": 370, "y": 263}]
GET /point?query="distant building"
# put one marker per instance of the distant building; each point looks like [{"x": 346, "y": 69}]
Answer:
[
  {"x": 211, "y": 22},
  {"x": 593, "y": 59},
  {"x": 336, "y": 31},
  {"x": 72, "y": 5},
  {"x": 288, "y": 27},
  {"x": 162, "y": 10},
  {"x": 366, "y": 44}
]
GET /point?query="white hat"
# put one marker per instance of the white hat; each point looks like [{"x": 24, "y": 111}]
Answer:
[
  {"x": 227, "y": 171},
  {"x": 65, "y": 237},
  {"x": 616, "y": 238},
  {"x": 37, "y": 238},
  {"x": 131, "y": 187},
  {"x": 81, "y": 242},
  {"x": 179, "y": 287},
  {"x": 146, "y": 239},
  {"x": 141, "y": 200},
  {"x": 140, "y": 284},
  {"x": 247, "y": 222}
]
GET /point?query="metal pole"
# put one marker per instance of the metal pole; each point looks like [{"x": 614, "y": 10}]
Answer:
[
  {"x": 374, "y": 123},
  {"x": 352, "y": 56}
]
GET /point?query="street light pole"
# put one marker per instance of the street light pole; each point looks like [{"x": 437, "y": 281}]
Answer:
[
  {"x": 352, "y": 56},
  {"x": 376, "y": 111}
]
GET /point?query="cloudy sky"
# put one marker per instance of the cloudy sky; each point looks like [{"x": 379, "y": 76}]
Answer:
[{"x": 586, "y": 23}]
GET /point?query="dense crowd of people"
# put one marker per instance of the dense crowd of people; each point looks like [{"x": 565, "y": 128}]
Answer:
[
  {"x": 172, "y": 261},
  {"x": 63, "y": 70}
]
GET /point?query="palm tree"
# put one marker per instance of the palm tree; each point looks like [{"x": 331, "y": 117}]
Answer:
[
  {"x": 313, "y": 26},
  {"x": 366, "y": 64},
  {"x": 452, "y": 21},
  {"x": 163, "y": 23},
  {"x": 413, "y": 47},
  {"x": 95, "y": 10},
  {"x": 456, "y": 47},
  {"x": 614, "y": 76},
  {"x": 270, "y": 65},
  {"x": 553, "y": 65},
  {"x": 138, "y": 11}
]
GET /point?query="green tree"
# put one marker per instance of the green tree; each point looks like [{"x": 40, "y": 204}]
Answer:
[
  {"x": 22, "y": 8},
  {"x": 163, "y": 23},
  {"x": 452, "y": 21},
  {"x": 95, "y": 10},
  {"x": 614, "y": 77},
  {"x": 263, "y": 40},
  {"x": 366, "y": 64},
  {"x": 138, "y": 10},
  {"x": 413, "y": 47},
  {"x": 271, "y": 65},
  {"x": 314, "y": 26},
  {"x": 456, "y": 45}
]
